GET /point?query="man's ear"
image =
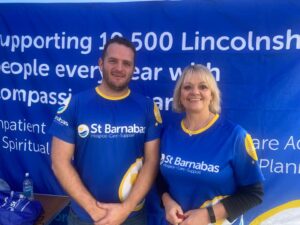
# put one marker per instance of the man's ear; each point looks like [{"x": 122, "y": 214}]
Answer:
[{"x": 100, "y": 63}]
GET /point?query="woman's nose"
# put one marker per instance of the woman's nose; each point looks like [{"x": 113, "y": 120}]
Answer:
[{"x": 195, "y": 90}]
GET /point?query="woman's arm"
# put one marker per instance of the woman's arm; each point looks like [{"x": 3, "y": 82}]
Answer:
[{"x": 244, "y": 199}]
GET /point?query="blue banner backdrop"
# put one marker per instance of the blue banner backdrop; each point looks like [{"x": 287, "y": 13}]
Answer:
[{"x": 50, "y": 51}]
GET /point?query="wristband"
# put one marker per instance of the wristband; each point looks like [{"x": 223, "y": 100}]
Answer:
[{"x": 211, "y": 214}]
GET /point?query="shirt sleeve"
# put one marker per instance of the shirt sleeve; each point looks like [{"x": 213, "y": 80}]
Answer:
[
  {"x": 245, "y": 198},
  {"x": 154, "y": 122},
  {"x": 63, "y": 125},
  {"x": 245, "y": 160}
]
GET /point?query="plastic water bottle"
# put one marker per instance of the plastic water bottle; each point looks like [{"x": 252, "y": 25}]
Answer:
[
  {"x": 4, "y": 186},
  {"x": 28, "y": 187}
]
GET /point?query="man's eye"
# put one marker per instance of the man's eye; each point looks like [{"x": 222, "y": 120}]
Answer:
[
  {"x": 112, "y": 61},
  {"x": 127, "y": 64}
]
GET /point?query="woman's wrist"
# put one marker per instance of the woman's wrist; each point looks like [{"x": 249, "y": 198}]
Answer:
[
  {"x": 211, "y": 214},
  {"x": 165, "y": 198}
]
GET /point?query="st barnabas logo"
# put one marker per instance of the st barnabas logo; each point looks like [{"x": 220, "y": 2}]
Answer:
[{"x": 83, "y": 130}]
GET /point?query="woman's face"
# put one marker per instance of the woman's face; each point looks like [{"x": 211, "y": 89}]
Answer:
[{"x": 195, "y": 96}]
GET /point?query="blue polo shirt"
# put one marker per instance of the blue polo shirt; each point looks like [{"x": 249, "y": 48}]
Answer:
[{"x": 205, "y": 166}]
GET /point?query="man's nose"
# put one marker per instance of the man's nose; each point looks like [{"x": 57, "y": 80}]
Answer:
[{"x": 119, "y": 66}]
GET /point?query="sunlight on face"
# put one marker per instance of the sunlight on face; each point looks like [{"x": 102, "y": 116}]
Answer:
[{"x": 195, "y": 95}]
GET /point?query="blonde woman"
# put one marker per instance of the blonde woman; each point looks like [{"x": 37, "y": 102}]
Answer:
[{"x": 209, "y": 170}]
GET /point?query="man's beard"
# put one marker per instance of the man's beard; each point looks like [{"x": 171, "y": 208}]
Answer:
[{"x": 119, "y": 88}]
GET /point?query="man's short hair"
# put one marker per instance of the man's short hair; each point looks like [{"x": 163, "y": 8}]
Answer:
[{"x": 121, "y": 41}]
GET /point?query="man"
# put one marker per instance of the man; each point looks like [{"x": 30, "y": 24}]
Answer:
[{"x": 105, "y": 145}]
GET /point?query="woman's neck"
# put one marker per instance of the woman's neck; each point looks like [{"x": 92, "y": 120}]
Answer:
[{"x": 196, "y": 121}]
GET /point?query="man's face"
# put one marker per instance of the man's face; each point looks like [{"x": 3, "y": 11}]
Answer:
[{"x": 117, "y": 67}]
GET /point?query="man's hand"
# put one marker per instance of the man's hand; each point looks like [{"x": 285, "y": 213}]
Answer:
[
  {"x": 116, "y": 213},
  {"x": 97, "y": 213}
]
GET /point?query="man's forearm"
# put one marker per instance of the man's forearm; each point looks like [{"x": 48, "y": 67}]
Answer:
[
  {"x": 61, "y": 155},
  {"x": 72, "y": 184}
]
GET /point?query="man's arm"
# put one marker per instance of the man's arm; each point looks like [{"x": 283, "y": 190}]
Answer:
[
  {"x": 61, "y": 156},
  {"x": 117, "y": 213}
]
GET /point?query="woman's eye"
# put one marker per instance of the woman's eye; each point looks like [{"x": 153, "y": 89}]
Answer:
[
  {"x": 202, "y": 87},
  {"x": 187, "y": 87}
]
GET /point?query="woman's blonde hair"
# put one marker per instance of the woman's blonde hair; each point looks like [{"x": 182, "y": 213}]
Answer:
[{"x": 204, "y": 73}]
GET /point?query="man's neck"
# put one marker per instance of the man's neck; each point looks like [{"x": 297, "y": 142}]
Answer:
[{"x": 105, "y": 90}]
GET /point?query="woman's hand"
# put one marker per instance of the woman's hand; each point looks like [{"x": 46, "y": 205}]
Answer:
[
  {"x": 174, "y": 213},
  {"x": 196, "y": 217}
]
